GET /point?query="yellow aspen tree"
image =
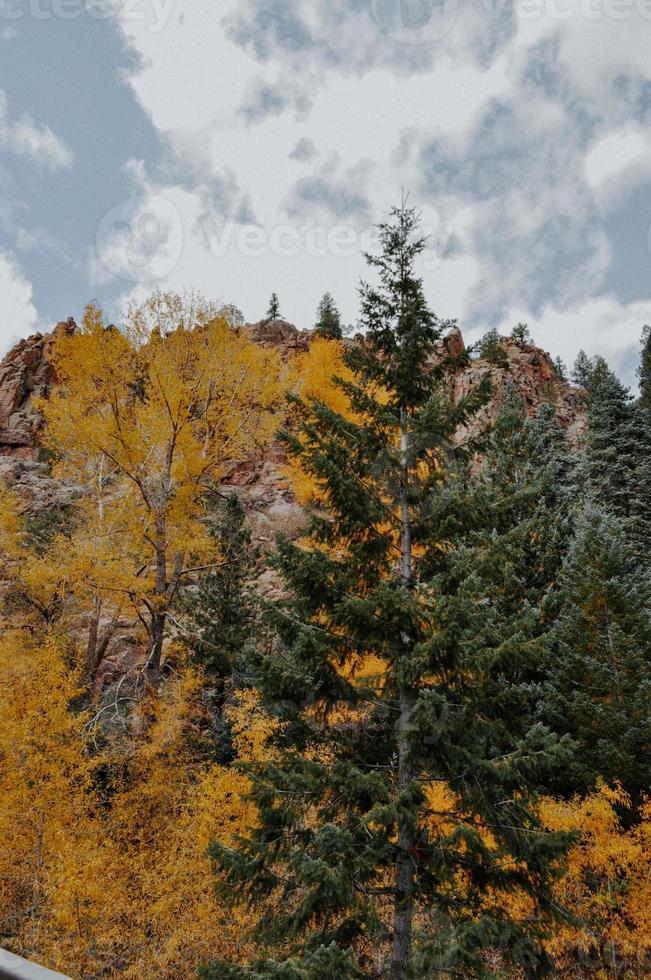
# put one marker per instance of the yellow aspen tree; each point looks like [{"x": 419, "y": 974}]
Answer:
[
  {"x": 56, "y": 867},
  {"x": 185, "y": 804},
  {"x": 159, "y": 414},
  {"x": 607, "y": 883},
  {"x": 313, "y": 377}
]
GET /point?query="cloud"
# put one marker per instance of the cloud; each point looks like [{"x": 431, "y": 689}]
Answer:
[
  {"x": 304, "y": 151},
  {"x": 332, "y": 194},
  {"x": 18, "y": 316},
  {"x": 519, "y": 136},
  {"x": 25, "y": 138},
  {"x": 617, "y": 162},
  {"x": 264, "y": 99}
]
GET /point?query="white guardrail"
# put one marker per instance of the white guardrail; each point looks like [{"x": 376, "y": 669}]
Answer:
[{"x": 16, "y": 968}]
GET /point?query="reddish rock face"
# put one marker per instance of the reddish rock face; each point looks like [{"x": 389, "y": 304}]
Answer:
[
  {"x": 280, "y": 334},
  {"x": 536, "y": 380},
  {"x": 26, "y": 373}
]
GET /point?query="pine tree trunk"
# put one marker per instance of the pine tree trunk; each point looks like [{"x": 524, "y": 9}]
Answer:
[{"x": 404, "y": 874}]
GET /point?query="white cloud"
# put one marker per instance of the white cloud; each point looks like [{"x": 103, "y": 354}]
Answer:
[
  {"x": 520, "y": 201},
  {"x": 617, "y": 162},
  {"x": 18, "y": 316},
  {"x": 25, "y": 138}
]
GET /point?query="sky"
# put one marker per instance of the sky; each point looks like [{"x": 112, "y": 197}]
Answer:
[{"x": 240, "y": 147}]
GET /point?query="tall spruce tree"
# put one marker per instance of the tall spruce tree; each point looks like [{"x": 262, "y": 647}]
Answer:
[
  {"x": 599, "y": 684},
  {"x": 644, "y": 372},
  {"x": 273, "y": 313},
  {"x": 615, "y": 469},
  {"x": 400, "y": 792},
  {"x": 220, "y": 609},
  {"x": 530, "y": 470},
  {"x": 328, "y": 324},
  {"x": 609, "y": 458}
]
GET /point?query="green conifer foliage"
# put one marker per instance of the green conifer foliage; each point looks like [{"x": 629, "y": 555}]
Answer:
[
  {"x": 615, "y": 469},
  {"x": 644, "y": 373},
  {"x": 490, "y": 349},
  {"x": 273, "y": 313},
  {"x": 521, "y": 333},
  {"x": 220, "y": 614},
  {"x": 530, "y": 470},
  {"x": 328, "y": 323},
  {"x": 354, "y": 868},
  {"x": 609, "y": 457},
  {"x": 599, "y": 684}
]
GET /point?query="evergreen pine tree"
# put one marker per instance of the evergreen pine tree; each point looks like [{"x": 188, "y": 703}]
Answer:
[
  {"x": 273, "y": 313},
  {"x": 640, "y": 490},
  {"x": 588, "y": 372},
  {"x": 530, "y": 470},
  {"x": 599, "y": 683},
  {"x": 560, "y": 368},
  {"x": 609, "y": 457},
  {"x": 521, "y": 333},
  {"x": 644, "y": 373},
  {"x": 400, "y": 793},
  {"x": 328, "y": 323},
  {"x": 220, "y": 613},
  {"x": 615, "y": 468},
  {"x": 490, "y": 348}
]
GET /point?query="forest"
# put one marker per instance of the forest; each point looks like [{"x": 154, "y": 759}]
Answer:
[{"x": 409, "y": 736}]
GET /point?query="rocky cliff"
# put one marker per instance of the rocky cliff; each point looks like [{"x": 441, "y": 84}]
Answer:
[{"x": 26, "y": 373}]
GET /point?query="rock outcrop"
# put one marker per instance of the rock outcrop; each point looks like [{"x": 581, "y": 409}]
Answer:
[
  {"x": 535, "y": 377},
  {"x": 26, "y": 373},
  {"x": 285, "y": 337}
]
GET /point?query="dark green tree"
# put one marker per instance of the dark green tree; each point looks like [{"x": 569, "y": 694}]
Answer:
[
  {"x": 615, "y": 469},
  {"x": 599, "y": 683},
  {"x": 560, "y": 368},
  {"x": 587, "y": 372},
  {"x": 530, "y": 470},
  {"x": 490, "y": 348},
  {"x": 328, "y": 323},
  {"x": 220, "y": 613},
  {"x": 644, "y": 373},
  {"x": 521, "y": 333},
  {"x": 609, "y": 457},
  {"x": 273, "y": 313},
  {"x": 394, "y": 674}
]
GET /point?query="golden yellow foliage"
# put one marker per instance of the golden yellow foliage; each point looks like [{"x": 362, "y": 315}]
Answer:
[
  {"x": 608, "y": 881},
  {"x": 104, "y": 866},
  {"x": 56, "y": 870},
  {"x": 149, "y": 421},
  {"x": 314, "y": 378}
]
